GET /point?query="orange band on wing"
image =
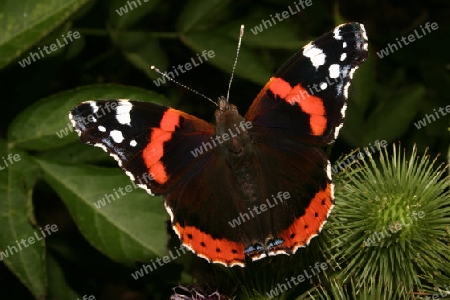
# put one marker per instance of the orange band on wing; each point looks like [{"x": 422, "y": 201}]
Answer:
[
  {"x": 307, "y": 226},
  {"x": 204, "y": 245},
  {"x": 310, "y": 104},
  {"x": 154, "y": 151}
]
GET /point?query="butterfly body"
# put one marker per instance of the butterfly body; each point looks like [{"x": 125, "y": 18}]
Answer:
[
  {"x": 231, "y": 130},
  {"x": 249, "y": 186}
]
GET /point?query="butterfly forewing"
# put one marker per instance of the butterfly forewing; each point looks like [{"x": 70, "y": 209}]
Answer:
[{"x": 306, "y": 98}]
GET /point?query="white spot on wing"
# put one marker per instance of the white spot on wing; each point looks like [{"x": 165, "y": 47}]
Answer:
[
  {"x": 117, "y": 136},
  {"x": 123, "y": 112},
  {"x": 72, "y": 119},
  {"x": 337, "y": 34},
  {"x": 133, "y": 143},
  {"x": 352, "y": 71},
  {"x": 344, "y": 45},
  {"x": 346, "y": 86},
  {"x": 329, "y": 170},
  {"x": 334, "y": 71},
  {"x": 101, "y": 146},
  {"x": 336, "y": 131},
  {"x": 94, "y": 106},
  {"x": 323, "y": 85},
  {"x": 258, "y": 257},
  {"x": 238, "y": 264},
  {"x": 207, "y": 259},
  {"x": 331, "y": 207},
  {"x": 315, "y": 54},
  {"x": 312, "y": 236},
  {"x": 343, "y": 109},
  {"x": 343, "y": 56},
  {"x": 169, "y": 211},
  {"x": 115, "y": 156},
  {"x": 321, "y": 225},
  {"x": 101, "y": 128},
  {"x": 130, "y": 175},
  {"x": 74, "y": 124},
  {"x": 144, "y": 187},
  {"x": 273, "y": 253},
  {"x": 363, "y": 32}
]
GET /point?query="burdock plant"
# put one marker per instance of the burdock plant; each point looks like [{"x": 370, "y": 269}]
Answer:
[{"x": 390, "y": 232}]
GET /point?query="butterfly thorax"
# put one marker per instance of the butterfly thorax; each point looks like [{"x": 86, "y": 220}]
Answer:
[{"x": 231, "y": 131}]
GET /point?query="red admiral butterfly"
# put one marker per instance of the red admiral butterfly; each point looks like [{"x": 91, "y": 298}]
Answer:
[{"x": 212, "y": 177}]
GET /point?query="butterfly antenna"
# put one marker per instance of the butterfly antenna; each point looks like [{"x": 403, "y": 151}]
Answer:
[
  {"x": 235, "y": 61},
  {"x": 182, "y": 85}
]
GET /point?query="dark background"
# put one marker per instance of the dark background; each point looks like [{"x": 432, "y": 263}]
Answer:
[{"x": 398, "y": 90}]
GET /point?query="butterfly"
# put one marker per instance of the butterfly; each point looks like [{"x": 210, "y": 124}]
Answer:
[{"x": 249, "y": 186}]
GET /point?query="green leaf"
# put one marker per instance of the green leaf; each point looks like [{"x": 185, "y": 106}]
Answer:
[
  {"x": 362, "y": 85},
  {"x": 338, "y": 19},
  {"x": 353, "y": 131},
  {"x": 396, "y": 115},
  {"x": 132, "y": 227},
  {"x": 360, "y": 93},
  {"x": 75, "y": 153},
  {"x": 199, "y": 10},
  {"x": 17, "y": 177},
  {"x": 46, "y": 125},
  {"x": 142, "y": 50},
  {"x": 249, "y": 66},
  {"x": 58, "y": 287},
  {"x": 25, "y": 23},
  {"x": 123, "y": 14}
]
